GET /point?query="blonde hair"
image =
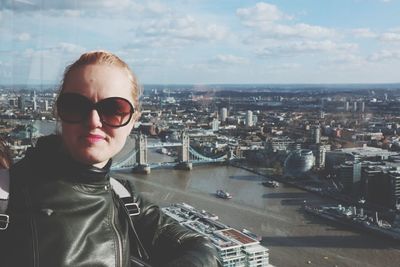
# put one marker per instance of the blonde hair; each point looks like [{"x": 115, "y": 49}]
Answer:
[{"x": 107, "y": 58}]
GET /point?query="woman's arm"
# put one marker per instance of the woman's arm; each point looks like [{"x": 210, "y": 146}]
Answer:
[{"x": 169, "y": 243}]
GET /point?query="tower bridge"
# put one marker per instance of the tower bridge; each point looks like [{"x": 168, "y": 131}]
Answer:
[{"x": 136, "y": 158}]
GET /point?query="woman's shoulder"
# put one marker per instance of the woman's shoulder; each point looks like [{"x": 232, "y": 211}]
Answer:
[{"x": 36, "y": 158}]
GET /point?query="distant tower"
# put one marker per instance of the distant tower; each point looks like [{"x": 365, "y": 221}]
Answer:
[
  {"x": 12, "y": 102},
  {"x": 320, "y": 157},
  {"x": 21, "y": 102},
  {"x": 347, "y": 106},
  {"x": 316, "y": 134},
  {"x": 141, "y": 143},
  {"x": 224, "y": 114},
  {"x": 363, "y": 107},
  {"x": 249, "y": 118},
  {"x": 255, "y": 120},
  {"x": 215, "y": 125},
  {"x": 46, "y": 105},
  {"x": 184, "y": 155},
  {"x": 355, "y": 106},
  {"x": 323, "y": 100},
  {"x": 34, "y": 102}
]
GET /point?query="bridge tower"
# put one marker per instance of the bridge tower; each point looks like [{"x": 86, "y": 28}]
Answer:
[
  {"x": 141, "y": 155},
  {"x": 184, "y": 154}
]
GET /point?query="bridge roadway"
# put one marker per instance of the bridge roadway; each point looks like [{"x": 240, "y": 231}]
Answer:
[
  {"x": 152, "y": 144},
  {"x": 294, "y": 238},
  {"x": 163, "y": 144}
]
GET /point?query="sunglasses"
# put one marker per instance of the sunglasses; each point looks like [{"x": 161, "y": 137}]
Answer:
[{"x": 113, "y": 111}]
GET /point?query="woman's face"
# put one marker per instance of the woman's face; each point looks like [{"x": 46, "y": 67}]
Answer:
[{"x": 91, "y": 141}]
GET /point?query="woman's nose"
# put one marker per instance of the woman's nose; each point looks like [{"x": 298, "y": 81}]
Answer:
[{"x": 94, "y": 120}]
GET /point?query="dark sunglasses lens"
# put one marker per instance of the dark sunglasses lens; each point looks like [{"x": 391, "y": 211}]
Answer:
[
  {"x": 115, "y": 111},
  {"x": 73, "y": 108}
]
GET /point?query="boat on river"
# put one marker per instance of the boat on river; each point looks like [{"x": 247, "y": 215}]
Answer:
[
  {"x": 223, "y": 194},
  {"x": 270, "y": 183},
  {"x": 356, "y": 218}
]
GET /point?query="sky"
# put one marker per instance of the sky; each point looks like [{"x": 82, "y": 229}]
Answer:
[{"x": 206, "y": 41}]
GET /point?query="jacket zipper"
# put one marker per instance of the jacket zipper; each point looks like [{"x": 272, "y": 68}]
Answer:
[
  {"x": 119, "y": 239},
  {"x": 33, "y": 229}
]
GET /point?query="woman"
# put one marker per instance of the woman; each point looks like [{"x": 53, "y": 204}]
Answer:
[{"x": 62, "y": 208}]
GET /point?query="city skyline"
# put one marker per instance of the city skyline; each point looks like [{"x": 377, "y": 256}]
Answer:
[{"x": 203, "y": 42}]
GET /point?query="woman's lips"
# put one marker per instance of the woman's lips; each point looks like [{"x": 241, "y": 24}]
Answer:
[{"x": 93, "y": 138}]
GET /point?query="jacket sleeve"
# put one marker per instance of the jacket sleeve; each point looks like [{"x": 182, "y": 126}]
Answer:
[{"x": 170, "y": 244}]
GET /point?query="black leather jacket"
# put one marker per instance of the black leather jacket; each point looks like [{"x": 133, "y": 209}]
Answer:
[{"x": 66, "y": 214}]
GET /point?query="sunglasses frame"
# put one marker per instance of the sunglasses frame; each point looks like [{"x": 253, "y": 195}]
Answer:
[{"x": 94, "y": 106}]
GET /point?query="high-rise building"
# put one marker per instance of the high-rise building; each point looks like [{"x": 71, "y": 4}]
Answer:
[
  {"x": 355, "y": 106},
  {"x": 349, "y": 175},
  {"x": 347, "y": 106},
  {"x": 255, "y": 119},
  {"x": 316, "y": 134},
  {"x": 249, "y": 118},
  {"x": 377, "y": 186},
  {"x": 363, "y": 106},
  {"x": 224, "y": 114},
  {"x": 280, "y": 144},
  {"x": 21, "y": 102},
  {"x": 34, "y": 103},
  {"x": 320, "y": 153},
  {"x": 395, "y": 188},
  {"x": 46, "y": 105},
  {"x": 12, "y": 102},
  {"x": 215, "y": 125}
]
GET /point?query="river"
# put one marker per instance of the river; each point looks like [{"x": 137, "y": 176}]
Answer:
[{"x": 293, "y": 237}]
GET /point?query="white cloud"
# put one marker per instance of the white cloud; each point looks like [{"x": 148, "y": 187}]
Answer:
[
  {"x": 45, "y": 65},
  {"x": 23, "y": 37},
  {"x": 304, "y": 47},
  {"x": 157, "y": 7},
  {"x": 230, "y": 59},
  {"x": 30, "y": 5},
  {"x": 187, "y": 28},
  {"x": 347, "y": 60},
  {"x": 68, "y": 47},
  {"x": 268, "y": 19},
  {"x": 72, "y": 13},
  {"x": 390, "y": 37},
  {"x": 384, "y": 55},
  {"x": 364, "y": 33},
  {"x": 260, "y": 14},
  {"x": 27, "y": 2},
  {"x": 299, "y": 30}
]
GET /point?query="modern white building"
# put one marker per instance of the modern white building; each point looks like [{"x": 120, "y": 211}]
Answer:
[
  {"x": 235, "y": 248},
  {"x": 215, "y": 125},
  {"x": 249, "y": 118},
  {"x": 223, "y": 114}
]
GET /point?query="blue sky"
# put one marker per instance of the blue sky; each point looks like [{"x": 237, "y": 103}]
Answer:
[{"x": 206, "y": 41}]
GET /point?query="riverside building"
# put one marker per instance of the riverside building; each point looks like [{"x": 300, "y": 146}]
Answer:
[{"x": 235, "y": 248}]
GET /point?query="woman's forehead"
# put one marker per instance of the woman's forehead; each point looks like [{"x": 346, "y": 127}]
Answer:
[{"x": 99, "y": 81}]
